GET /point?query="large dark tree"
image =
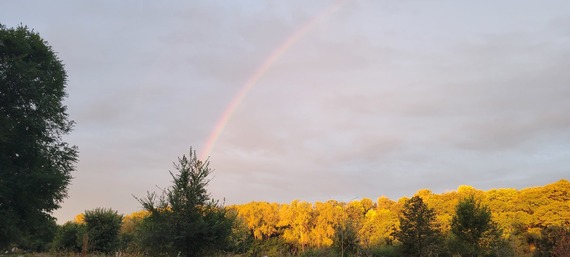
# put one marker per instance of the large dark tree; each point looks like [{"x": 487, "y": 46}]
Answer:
[
  {"x": 185, "y": 221},
  {"x": 418, "y": 232},
  {"x": 474, "y": 233},
  {"x": 35, "y": 162}
]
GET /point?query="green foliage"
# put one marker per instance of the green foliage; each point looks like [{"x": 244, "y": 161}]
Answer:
[
  {"x": 319, "y": 252},
  {"x": 240, "y": 239},
  {"x": 553, "y": 241},
  {"x": 36, "y": 162},
  {"x": 184, "y": 220},
  {"x": 129, "y": 234},
  {"x": 103, "y": 226},
  {"x": 474, "y": 233},
  {"x": 418, "y": 233},
  {"x": 69, "y": 237},
  {"x": 39, "y": 235},
  {"x": 272, "y": 247},
  {"x": 304, "y": 229},
  {"x": 346, "y": 239},
  {"x": 519, "y": 240},
  {"x": 383, "y": 251}
]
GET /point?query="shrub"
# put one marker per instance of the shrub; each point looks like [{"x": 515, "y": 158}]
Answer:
[
  {"x": 69, "y": 237},
  {"x": 103, "y": 227}
]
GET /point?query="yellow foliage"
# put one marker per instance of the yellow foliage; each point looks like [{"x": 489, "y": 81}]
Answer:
[
  {"x": 79, "y": 218},
  {"x": 313, "y": 225},
  {"x": 261, "y": 218},
  {"x": 467, "y": 190},
  {"x": 137, "y": 215},
  {"x": 384, "y": 202},
  {"x": 424, "y": 194},
  {"x": 377, "y": 227}
]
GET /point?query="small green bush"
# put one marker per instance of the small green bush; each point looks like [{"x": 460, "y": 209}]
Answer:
[
  {"x": 103, "y": 226},
  {"x": 383, "y": 251},
  {"x": 68, "y": 237},
  {"x": 273, "y": 247}
]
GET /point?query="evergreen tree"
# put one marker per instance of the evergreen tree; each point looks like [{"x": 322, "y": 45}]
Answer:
[
  {"x": 418, "y": 233},
  {"x": 35, "y": 162},
  {"x": 184, "y": 220},
  {"x": 474, "y": 232}
]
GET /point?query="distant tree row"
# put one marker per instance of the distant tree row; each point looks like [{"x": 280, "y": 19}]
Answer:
[
  {"x": 498, "y": 222},
  {"x": 465, "y": 222}
]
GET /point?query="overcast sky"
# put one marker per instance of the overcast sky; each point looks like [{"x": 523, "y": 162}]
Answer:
[{"x": 375, "y": 98}]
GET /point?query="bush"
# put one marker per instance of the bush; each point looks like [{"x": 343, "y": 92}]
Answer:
[
  {"x": 553, "y": 241},
  {"x": 272, "y": 247},
  {"x": 69, "y": 237},
  {"x": 383, "y": 251},
  {"x": 103, "y": 227},
  {"x": 319, "y": 252}
]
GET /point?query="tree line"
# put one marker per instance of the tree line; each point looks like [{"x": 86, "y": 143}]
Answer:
[
  {"x": 507, "y": 222},
  {"x": 465, "y": 222}
]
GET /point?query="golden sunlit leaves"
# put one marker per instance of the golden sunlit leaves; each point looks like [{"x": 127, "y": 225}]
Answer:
[
  {"x": 79, "y": 218},
  {"x": 304, "y": 224}
]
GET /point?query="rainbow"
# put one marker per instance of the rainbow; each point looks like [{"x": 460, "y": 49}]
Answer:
[{"x": 259, "y": 72}]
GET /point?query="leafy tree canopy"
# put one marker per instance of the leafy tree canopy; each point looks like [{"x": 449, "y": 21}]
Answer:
[{"x": 36, "y": 162}]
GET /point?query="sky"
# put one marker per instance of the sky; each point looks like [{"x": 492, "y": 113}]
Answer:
[{"x": 340, "y": 99}]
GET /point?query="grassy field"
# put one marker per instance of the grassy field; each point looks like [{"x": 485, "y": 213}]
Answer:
[{"x": 89, "y": 255}]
